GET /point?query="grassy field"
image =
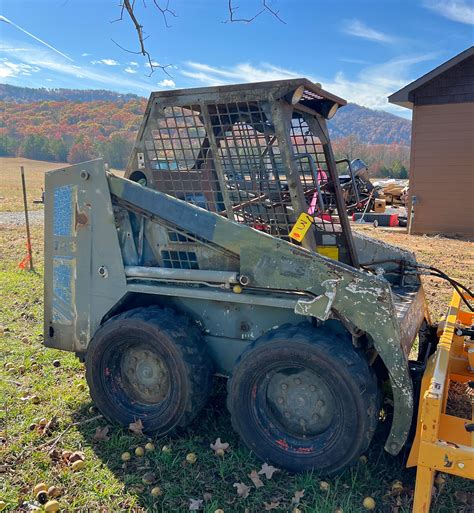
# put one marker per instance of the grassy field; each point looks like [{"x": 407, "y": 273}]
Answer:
[
  {"x": 11, "y": 195},
  {"x": 35, "y": 388}
]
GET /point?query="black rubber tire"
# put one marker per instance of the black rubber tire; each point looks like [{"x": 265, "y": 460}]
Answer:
[
  {"x": 180, "y": 347},
  {"x": 340, "y": 367}
]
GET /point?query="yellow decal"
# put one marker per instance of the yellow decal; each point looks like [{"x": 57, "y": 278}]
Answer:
[
  {"x": 301, "y": 227},
  {"x": 329, "y": 251}
]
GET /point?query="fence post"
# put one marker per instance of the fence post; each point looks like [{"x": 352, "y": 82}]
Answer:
[{"x": 27, "y": 221}]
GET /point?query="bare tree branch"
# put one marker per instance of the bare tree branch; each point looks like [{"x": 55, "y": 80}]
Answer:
[
  {"x": 129, "y": 7},
  {"x": 165, "y": 11},
  {"x": 265, "y": 8}
]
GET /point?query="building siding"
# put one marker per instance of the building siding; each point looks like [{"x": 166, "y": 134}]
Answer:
[
  {"x": 455, "y": 85},
  {"x": 442, "y": 168}
]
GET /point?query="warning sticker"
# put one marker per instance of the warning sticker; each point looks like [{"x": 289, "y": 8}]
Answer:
[{"x": 301, "y": 227}]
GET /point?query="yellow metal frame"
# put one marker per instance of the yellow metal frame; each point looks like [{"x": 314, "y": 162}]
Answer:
[{"x": 441, "y": 441}]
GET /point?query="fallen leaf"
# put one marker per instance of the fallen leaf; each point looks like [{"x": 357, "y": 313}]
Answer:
[
  {"x": 76, "y": 456},
  {"x": 65, "y": 455},
  {"x": 55, "y": 454},
  {"x": 148, "y": 478},
  {"x": 101, "y": 434},
  {"x": 50, "y": 426},
  {"x": 255, "y": 479},
  {"x": 242, "y": 490},
  {"x": 27, "y": 397},
  {"x": 271, "y": 505},
  {"x": 219, "y": 446},
  {"x": 195, "y": 504},
  {"x": 268, "y": 470},
  {"x": 136, "y": 427},
  {"x": 299, "y": 494}
]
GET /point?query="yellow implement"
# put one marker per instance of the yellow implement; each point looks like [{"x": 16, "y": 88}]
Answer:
[{"x": 444, "y": 442}]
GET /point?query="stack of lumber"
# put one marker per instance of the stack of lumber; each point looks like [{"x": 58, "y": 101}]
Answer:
[{"x": 393, "y": 191}]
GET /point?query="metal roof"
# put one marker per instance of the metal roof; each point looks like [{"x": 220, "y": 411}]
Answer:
[
  {"x": 277, "y": 88},
  {"x": 402, "y": 97}
]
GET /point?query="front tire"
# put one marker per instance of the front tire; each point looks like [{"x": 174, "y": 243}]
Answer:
[
  {"x": 304, "y": 398},
  {"x": 149, "y": 364}
]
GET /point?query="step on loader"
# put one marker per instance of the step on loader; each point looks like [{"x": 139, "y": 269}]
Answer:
[{"x": 227, "y": 250}]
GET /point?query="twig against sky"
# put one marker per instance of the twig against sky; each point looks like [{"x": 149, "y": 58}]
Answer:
[
  {"x": 129, "y": 8},
  {"x": 264, "y": 8}
]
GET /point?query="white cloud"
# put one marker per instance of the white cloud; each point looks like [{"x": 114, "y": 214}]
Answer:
[
  {"x": 37, "y": 58},
  {"x": 370, "y": 87},
  {"x": 133, "y": 63},
  {"x": 167, "y": 83},
  {"x": 153, "y": 63},
  {"x": 354, "y": 61},
  {"x": 456, "y": 10},
  {"x": 12, "y": 49},
  {"x": 107, "y": 62},
  {"x": 10, "y": 69},
  {"x": 85, "y": 54},
  {"x": 130, "y": 70},
  {"x": 360, "y": 29},
  {"x": 244, "y": 72}
]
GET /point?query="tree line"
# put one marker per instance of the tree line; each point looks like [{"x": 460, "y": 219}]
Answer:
[{"x": 65, "y": 131}]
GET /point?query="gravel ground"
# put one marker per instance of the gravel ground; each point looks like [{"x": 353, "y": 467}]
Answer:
[{"x": 18, "y": 218}]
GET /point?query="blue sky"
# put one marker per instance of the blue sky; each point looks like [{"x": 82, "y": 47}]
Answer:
[{"x": 362, "y": 50}]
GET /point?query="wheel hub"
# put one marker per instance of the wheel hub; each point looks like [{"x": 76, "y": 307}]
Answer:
[
  {"x": 145, "y": 376},
  {"x": 300, "y": 401}
]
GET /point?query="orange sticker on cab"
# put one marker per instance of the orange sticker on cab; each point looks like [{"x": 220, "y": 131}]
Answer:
[{"x": 301, "y": 227}]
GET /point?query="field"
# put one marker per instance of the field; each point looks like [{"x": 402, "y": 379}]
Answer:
[
  {"x": 47, "y": 384},
  {"x": 11, "y": 195}
]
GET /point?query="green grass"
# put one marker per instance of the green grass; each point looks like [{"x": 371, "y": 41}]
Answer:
[{"x": 106, "y": 484}]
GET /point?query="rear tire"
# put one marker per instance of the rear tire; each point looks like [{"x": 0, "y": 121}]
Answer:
[
  {"x": 149, "y": 364},
  {"x": 304, "y": 398}
]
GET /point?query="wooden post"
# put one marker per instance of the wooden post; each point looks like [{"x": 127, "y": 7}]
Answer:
[{"x": 27, "y": 221}]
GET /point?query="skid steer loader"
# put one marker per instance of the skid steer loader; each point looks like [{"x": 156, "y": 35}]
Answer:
[{"x": 226, "y": 249}]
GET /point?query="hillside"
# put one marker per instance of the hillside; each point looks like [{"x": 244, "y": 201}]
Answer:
[
  {"x": 16, "y": 94},
  {"x": 76, "y": 125},
  {"x": 370, "y": 126}
]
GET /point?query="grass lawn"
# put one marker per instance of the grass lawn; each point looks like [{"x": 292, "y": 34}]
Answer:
[{"x": 107, "y": 484}]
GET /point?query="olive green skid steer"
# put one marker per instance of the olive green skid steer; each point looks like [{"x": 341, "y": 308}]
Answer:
[{"x": 226, "y": 249}]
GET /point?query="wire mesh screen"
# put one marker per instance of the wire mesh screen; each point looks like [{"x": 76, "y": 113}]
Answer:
[
  {"x": 179, "y": 155},
  {"x": 252, "y": 166},
  {"x": 248, "y": 182},
  {"x": 314, "y": 175}
]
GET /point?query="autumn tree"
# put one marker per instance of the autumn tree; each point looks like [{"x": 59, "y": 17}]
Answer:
[{"x": 81, "y": 151}]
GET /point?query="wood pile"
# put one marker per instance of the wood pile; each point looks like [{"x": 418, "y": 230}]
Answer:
[{"x": 394, "y": 192}]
